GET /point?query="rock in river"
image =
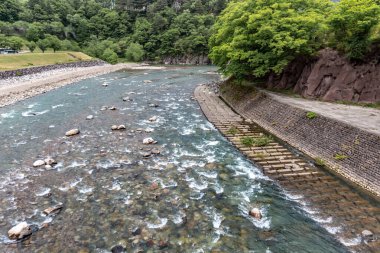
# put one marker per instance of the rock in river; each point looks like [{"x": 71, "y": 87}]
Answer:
[
  {"x": 255, "y": 213},
  {"x": 90, "y": 117},
  {"x": 54, "y": 209},
  {"x": 117, "y": 249},
  {"x": 38, "y": 163},
  {"x": 148, "y": 141},
  {"x": 20, "y": 231},
  {"x": 367, "y": 235},
  {"x": 72, "y": 132},
  {"x": 50, "y": 161},
  {"x": 153, "y": 119}
]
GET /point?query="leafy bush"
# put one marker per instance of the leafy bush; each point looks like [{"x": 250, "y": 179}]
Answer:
[
  {"x": 233, "y": 130},
  {"x": 258, "y": 141},
  {"x": 110, "y": 56},
  {"x": 134, "y": 52},
  {"x": 351, "y": 22},
  {"x": 254, "y": 37},
  {"x": 311, "y": 115}
]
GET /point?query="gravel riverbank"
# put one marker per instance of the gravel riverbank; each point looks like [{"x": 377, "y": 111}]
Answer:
[{"x": 16, "y": 89}]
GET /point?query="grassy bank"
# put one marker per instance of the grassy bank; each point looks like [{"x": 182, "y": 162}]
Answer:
[{"x": 18, "y": 61}]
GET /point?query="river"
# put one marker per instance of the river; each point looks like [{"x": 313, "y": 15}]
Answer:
[{"x": 192, "y": 197}]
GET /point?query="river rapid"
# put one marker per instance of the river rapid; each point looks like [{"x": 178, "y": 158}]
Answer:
[{"x": 192, "y": 197}]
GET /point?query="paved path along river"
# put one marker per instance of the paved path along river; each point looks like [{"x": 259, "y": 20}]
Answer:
[{"x": 192, "y": 197}]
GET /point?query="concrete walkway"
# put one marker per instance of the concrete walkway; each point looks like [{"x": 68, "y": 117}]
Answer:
[{"x": 366, "y": 119}]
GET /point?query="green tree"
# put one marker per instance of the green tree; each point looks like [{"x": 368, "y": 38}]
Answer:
[
  {"x": 109, "y": 56},
  {"x": 31, "y": 46},
  {"x": 256, "y": 37},
  {"x": 43, "y": 44},
  {"x": 9, "y": 10},
  {"x": 134, "y": 52},
  {"x": 54, "y": 42},
  {"x": 15, "y": 43},
  {"x": 351, "y": 22}
]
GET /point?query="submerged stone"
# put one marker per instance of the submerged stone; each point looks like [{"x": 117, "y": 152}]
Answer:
[
  {"x": 72, "y": 132},
  {"x": 38, "y": 163},
  {"x": 255, "y": 213},
  {"x": 118, "y": 249},
  {"x": 20, "y": 231}
]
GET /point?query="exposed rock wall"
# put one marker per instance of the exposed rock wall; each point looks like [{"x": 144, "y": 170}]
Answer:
[
  {"x": 34, "y": 70},
  {"x": 332, "y": 77},
  {"x": 320, "y": 137},
  {"x": 187, "y": 60}
]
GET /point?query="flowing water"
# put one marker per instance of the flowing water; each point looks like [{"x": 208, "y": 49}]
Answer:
[{"x": 193, "y": 197}]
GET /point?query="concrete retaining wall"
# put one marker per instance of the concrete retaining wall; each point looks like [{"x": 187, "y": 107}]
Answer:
[
  {"x": 34, "y": 70},
  {"x": 320, "y": 137}
]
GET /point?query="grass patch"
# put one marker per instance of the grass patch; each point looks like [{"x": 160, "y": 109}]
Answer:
[
  {"x": 320, "y": 162},
  {"x": 311, "y": 115},
  {"x": 233, "y": 130},
  {"x": 257, "y": 142},
  {"x": 340, "y": 157},
  {"x": 18, "y": 61}
]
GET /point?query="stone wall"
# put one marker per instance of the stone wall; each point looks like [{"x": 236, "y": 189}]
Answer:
[
  {"x": 332, "y": 77},
  {"x": 34, "y": 70},
  {"x": 187, "y": 60},
  {"x": 320, "y": 137}
]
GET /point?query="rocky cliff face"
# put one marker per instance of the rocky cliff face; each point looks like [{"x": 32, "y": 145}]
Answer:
[
  {"x": 332, "y": 77},
  {"x": 187, "y": 59}
]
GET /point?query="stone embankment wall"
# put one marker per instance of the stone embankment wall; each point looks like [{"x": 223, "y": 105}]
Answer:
[
  {"x": 320, "y": 137},
  {"x": 34, "y": 70},
  {"x": 332, "y": 77}
]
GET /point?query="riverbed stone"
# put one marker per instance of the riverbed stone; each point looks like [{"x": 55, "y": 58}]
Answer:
[
  {"x": 50, "y": 161},
  {"x": 72, "y": 132},
  {"x": 114, "y": 127},
  {"x": 367, "y": 235},
  {"x": 20, "y": 231},
  {"x": 53, "y": 210},
  {"x": 90, "y": 117},
  {"x": 153, "y": 119},
  {"x": 147, "y": 81},
  {"x": 155, "y": 151},
  {"x": 148, "y": 140},
  {"x": 38, "y": 163},
  {"x": 118, "y": 249},
  {"x": 255, "y": 213}
]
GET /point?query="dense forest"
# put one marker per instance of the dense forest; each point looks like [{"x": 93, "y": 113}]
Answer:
[
  {"x": 244, "y": 38},
  {"x": 260, "y": 37},
  {"x": 111, "y": 29}
]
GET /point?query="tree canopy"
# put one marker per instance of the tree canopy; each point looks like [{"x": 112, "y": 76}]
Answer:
[{"x": 256, "y": 37}]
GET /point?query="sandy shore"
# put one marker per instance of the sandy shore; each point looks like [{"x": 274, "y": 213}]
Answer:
[{"x": 19, "y": 88}]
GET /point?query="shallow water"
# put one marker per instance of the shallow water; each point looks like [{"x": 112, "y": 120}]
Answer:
[{"x": 193, "y": 197}]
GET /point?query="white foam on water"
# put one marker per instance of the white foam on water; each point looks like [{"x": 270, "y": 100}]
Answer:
[
  {"x": 212, "y": 174},
  {"x": 76, "y": 164},
  {"x": 351, "y": 242},
  {"x": 158, "y": 225},
  {"x": 43, "y": 191},
  {"x": 196, "y": 195},
  {"x": 56, "y": 106},
  {"x": 212, "y": 143},
  {"x": 8, "y": 115},
  {"x": 85, "y": 189},
  {"x": 333, "y": 230}
]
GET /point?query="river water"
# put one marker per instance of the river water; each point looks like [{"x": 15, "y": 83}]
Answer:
[{"x": 193, "y": 197}]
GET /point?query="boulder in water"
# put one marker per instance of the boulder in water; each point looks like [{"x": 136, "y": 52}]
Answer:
[
  {"x": 20, "y": 231},
  {"x": 90, "y": 117},
  {"x": 38, "y": 163},
  {"x": 367, "y": 235},
  {"x": 148, "y": 141},
  {"x": 117, "y": 249},
  {"x": 72, "y": 132},
  {"x": 50, "y": 161},
  {"x": 153, "y": 119},
  {"x": 53, "y": 210},
  {"x": 255, "y": 213}
]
